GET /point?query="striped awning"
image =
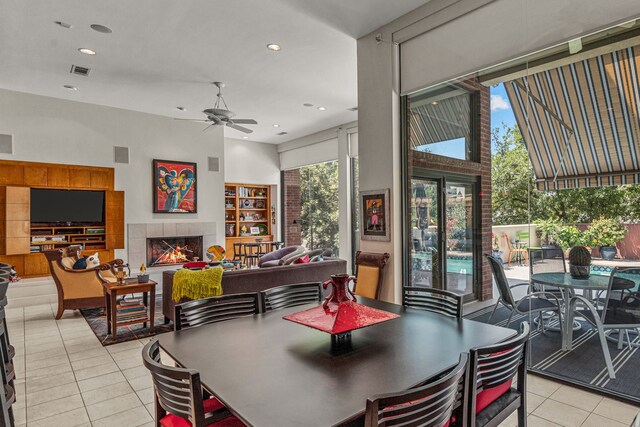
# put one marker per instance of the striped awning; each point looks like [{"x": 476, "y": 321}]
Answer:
[
  {"x": 581, "y": 121},
  {"x": 439, "y": 119}
]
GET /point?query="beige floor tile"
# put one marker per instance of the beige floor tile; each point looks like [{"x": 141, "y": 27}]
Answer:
[
  {"x": 101, "y": 381},
  {"x": 77, "y": 417},
  {"x": 19, "y": 415},
  {"x": 92, "y": 397},
  {"x": 127, "y": 354},
  {"x": 47, "y": 362},
  {"x": 45, "y": 372},
  {"x": 91, "y": 362},
  {"x": 595, "y": 420},
  {"x": 150, "y": 409},
  {"x": 46, "y": 347},
  {"x": 95, "y": 371},
  {"x": 89, "y": 354},
  {"x": 115, "y": 348},
  {"x": 533, "y": 401},
  {"x": 45, "y": 355},
  {"x": 131, "y": 362},
  {"x": 561, "y": 413},
  {"x": 146, "y": 395},
  {"x": 113, "y": 406},
  {"x": 138, "y": 371},
  {"x": 53, "y": 393},
  {"x": 576, "y": 397},
  {"x": 511, "y": 421},
  {"x": 53, "y": 407},
  {"x": 44, "y": 383},
  {"x": 133, "y": 418},
  {"x": 533, "y": 421},
  {"x": 541, "y": 386},
  {"x": 615, "y": 410},
  {"x": 141, "y": 383}
]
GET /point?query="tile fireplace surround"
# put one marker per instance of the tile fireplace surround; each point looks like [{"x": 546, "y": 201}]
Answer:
[{"x": 137, "y": 235}]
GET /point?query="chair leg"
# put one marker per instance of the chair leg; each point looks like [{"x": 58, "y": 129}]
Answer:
[
  {"x": 160, "y": 412},
  {"x": 605, "y": 352},
  {"x": 620, "y": 339},
  {"x": 60, "y": 310},
  {"x": 495, "y": 307},
  {"x": 510, "y": 316}
]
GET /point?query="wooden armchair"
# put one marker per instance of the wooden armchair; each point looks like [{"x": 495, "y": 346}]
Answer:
[
  {"x": 369, "y": 269},
  {"x": 78, "y": 288}
]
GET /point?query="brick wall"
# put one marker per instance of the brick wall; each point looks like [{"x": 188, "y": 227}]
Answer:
[
  {"x": 480, "y": 169},
  {"x": 292, "y": 232}
]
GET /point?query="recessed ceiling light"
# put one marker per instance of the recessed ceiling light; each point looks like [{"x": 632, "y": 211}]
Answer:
[
  {"x": 307, "y": 105},
  {"x": 63, "y": 24},
  {"x": 86, "y": 51},
  {"x": 101, "y": 28},
  {"x": 322, "y": 108},
  {"x": 245, "y": 137},
  {"x": 181, "y": 108},
  {"x": 434, "y": 103},
  {"x": 275, "y": 125},
  {"x": 274, "y": 47},
  {"x": 70, "y": 87}
]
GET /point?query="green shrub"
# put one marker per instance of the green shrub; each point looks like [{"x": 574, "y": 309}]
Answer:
[{"x": 606, "y": 232}]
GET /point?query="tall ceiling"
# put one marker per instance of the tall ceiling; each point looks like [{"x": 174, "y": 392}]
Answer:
[{"x": 165, "y": 53}]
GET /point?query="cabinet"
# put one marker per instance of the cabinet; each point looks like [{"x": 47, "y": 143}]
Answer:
[{"x": 247, "y": 214}]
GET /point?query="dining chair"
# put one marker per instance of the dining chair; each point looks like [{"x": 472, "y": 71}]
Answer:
[
  {"x": 491, "y": 394},
  {"x": 238, "y": 251},
  {"x": 178, "y": 397},
  {"x": 215, "y": 309},
  {"x": 519, "y": 252},
  {"x": 290, "y": 296},
  {"x": 434, "y": 300},
  {"x": 433, "y": 404},
  {"x": 620, "y": 312},
  {"x": 369, "y": 270},
  {"x": 533, "y": 302}
]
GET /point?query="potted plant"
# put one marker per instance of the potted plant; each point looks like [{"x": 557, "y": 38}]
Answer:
[
  {"x": 606, "y": 233},
  {"x": 579, "y": 262}
]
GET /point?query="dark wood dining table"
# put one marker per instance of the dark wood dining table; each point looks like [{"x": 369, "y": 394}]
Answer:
[{"x": 272, "y": 372}]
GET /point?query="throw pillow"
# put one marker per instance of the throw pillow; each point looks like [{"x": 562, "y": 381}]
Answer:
[
  {"x": 93, "y": 261},
  {"x": 80, "y": 264},
  {"x": 303, "y": 260}
]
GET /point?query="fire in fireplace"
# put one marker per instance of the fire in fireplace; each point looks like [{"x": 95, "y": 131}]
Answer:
[{"x": 173, "y": 250}]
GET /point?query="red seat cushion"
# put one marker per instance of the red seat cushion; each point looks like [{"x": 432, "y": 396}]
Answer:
[
  {"x": 210, "y": 405},
  {"x": 489, "y": 395},
  {"x": 195, "y": 264}
]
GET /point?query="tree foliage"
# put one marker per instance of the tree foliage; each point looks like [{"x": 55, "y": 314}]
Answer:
[{"x": 319, "y": 199}]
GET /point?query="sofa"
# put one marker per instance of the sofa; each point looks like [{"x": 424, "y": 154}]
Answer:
[{"x": 259, "y": 279}]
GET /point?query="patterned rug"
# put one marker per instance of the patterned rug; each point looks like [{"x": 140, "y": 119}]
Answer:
[
  {"x": 584, "y": 366},
  {"x": 97, "y": 320}
]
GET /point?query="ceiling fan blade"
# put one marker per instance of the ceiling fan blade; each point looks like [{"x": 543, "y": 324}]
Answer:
[
  {"x": 240, "y": 128},
  {"x": 245, "y": 121},
  {"x": 193, "y": 120}
]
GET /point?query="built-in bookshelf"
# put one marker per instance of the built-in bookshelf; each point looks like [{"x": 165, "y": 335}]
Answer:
[
  {"x": 44, "y": 237},
  {"x": 247, "y": 213}
]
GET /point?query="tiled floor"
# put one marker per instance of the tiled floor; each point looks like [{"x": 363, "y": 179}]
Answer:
[{"x": 66, "y": 378}]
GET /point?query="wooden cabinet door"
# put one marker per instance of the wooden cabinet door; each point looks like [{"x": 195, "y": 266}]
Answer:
[
  {"x": 16, "y": 227},
  {"x": 114, "y": 219}
]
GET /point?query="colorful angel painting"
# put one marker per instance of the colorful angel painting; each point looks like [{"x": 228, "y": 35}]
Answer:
[{"x": 174, "y": 187}]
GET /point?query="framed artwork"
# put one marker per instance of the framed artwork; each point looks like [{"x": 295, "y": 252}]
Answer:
[
  {"x": 174, "y": 187},
  {"x": 375, "y": 215}
]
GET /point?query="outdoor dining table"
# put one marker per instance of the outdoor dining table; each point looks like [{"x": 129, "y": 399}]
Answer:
[
  {"x": 569, "y": 285},
  {"x": 272, "y": 372}
]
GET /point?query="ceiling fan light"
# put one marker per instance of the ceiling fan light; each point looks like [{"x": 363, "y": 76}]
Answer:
[
  {"x": 275, "y": 125},
  {"x": 274, "y": 47},
  {"x": 86, "y": 51}
]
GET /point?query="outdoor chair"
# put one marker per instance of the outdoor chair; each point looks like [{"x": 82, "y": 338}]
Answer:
[
  {"x": 491, "y": 395},
  {"x": 620, "y": 312},
  {"x": 178, "y": 397},
  {"x": 533, "y": 302},
  {"x": 369, "y": 270},
  {"x": 290, "y": 296},
  {"x": 513, "y": 250},
  {"x": 215, "y": 309},
  {"x": 434, "y": 300},
  {"x": 432, "y": 405}
]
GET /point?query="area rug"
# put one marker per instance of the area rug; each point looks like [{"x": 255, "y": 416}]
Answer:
[
  {"x": 97, "y": 320},
  {"x": 584, "y": 366}
]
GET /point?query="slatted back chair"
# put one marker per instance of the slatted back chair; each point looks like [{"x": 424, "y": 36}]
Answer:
[
  {"x": 178, "y": 392},
  {"x": 215, "y": 309},
  {"x": 435, "y": 300},
  {"x": 290, "y": 296},
  {"x": 491, "y": 370},
  {"x": 430, "y": 405}
]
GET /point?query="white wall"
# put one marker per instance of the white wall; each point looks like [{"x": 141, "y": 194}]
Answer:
[
  {"x": 57, "y": 131},
  {"x": 251, "y": 162}
]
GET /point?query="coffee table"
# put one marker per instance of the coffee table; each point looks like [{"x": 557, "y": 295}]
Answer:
[{"x": 112, "y": 290}]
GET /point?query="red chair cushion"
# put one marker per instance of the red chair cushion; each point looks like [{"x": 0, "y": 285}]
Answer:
[
  {"x": 210, "y": 405},
  {"x": 197, "y": 264},
  {"x": 303, "y": 260},
  {"x": 489, "y": 395}
]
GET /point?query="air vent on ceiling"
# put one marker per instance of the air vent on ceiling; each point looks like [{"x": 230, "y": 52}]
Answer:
[
  {"x": 281, "y": 133},
  {"x": 81, "y": 71}
]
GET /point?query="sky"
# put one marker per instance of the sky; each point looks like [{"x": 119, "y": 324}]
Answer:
[{"x": 501, "y": 111}]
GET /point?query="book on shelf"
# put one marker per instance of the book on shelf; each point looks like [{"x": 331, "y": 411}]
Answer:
[
  {"x": 133, "y": 309},
  {"x": 132, "y": 301}
]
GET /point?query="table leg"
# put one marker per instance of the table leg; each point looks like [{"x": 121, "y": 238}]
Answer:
[
  {"x": 113, "y": 313},
  {"x": 107, "y": 311},
  {"x": 145, "y": 302},
  {"x": 152, "y": 308},
  {"x": 567, "y": 333}
]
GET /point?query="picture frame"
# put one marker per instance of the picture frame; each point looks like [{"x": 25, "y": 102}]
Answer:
[
  {"x": 375, "y": 215},
  {"x": 175, "y": 186},
  {"x": 254, "y": 231}
]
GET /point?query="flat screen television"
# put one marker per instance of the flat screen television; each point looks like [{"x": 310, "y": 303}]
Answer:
[{"x": 67, "y": 206}]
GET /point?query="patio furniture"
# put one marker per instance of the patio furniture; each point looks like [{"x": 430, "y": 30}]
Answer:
[
  {"x": 531, "y": 303},
  {"x": 491, "y": 371},
  {"x": 178, "y": 397},
  {"x": 621, "y": 311},
  {"x": 215, "y": 309},
  {"x": 431, "y": 404},
  {"x": 434, "y": 300},
  {"x": 369, "y": 270},
  {"x": 266, "y": 367},
  {"x": 290, "y": 296},
  {"x": 515, "y": 249}
]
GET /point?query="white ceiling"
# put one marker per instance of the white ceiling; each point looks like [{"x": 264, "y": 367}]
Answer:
[{"x": 165, "y": 53}]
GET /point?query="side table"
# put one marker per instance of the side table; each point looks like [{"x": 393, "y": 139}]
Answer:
[{"x": 112, "y": 290}]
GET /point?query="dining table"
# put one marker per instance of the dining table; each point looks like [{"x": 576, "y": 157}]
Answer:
[
  {"x": 272, "y": 372},
  {"x": 569, "y": 285}
]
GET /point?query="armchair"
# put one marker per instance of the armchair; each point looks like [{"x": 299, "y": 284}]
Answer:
[{"x": 78, "y": 288}]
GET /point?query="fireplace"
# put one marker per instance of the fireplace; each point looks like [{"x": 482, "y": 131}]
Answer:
[{"x": 173, "y": 250}]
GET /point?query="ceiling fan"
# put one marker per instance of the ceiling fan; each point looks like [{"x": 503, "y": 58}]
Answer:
[{"x": 218, "y": 116}]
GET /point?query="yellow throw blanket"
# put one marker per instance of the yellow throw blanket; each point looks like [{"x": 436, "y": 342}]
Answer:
[{"x": 197, "y": 284}]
